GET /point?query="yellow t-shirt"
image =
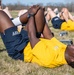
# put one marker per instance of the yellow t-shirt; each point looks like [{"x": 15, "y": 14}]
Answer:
[
  {"x": 47, "y": 53},
  {"x": 68, "y": 25}
]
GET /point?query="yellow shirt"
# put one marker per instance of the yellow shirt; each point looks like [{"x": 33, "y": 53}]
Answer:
[
  {"x": 47, "y": 53},
  {"x": 68, "y": 25}
]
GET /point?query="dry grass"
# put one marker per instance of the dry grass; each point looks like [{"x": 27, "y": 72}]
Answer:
[{"x": 8, "y": 66}]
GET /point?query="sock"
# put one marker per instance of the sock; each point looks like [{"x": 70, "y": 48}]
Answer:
[{"x": 16, "y": 21}]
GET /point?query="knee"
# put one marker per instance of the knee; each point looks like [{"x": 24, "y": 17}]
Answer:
[
  {"x": 64, "y": 10},
  {"x": 40, "y": 11},
  {"x": 40, "y": 14}
]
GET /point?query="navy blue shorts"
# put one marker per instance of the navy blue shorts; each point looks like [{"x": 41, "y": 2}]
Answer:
[
  {"x": 56, "y": 22},
  {"x": 15, "y": 42}
]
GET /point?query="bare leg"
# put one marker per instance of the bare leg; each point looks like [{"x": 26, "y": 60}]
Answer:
[
  {"x": 71, "y": 17},
  {"x": 40, "y": 26},
  {"x": 33, "y": 10},
  {"x": 65, "y": 14},
  {"x": 35, "y": 24},
  {"x": 51, "y": 13},
  {"x": 32, "y": 32},
  {"x": 5, "y": 22},
  {"x": 47, "y": 32},
  {"x": 47, "y": 16},
  {"x": 6, "y": 10},
  {"x": 39, "y": 20}
]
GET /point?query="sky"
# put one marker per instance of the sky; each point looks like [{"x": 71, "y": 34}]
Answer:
[{"x": 28, "y": 2}]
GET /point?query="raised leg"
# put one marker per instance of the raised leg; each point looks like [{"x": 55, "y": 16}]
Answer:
[
  {"x": 66, "y": 15},
  {"x": 5, "y": 22},
  {"x": 41, "y": 26},
  {"x": 6, "y": 10}
]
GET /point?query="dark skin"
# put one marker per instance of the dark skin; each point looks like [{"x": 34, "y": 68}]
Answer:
[
  {"x": 69, "y": 54},
  {"x": 35, "y": 24},
  {"x": 34, "y": 10}
]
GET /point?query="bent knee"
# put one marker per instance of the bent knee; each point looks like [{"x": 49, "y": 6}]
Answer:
[
  {"x": 41, "y": 10},
  {"x": 64, "y": 10}
]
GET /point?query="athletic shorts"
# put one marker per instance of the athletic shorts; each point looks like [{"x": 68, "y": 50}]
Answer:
[
  {"x": 57, "y": 22},
  {"x": 15, "y": 42}
]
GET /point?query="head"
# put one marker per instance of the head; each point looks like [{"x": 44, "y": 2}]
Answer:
[{"x": 69, "y": 55}]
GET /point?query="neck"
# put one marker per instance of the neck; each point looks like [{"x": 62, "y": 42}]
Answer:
[{"x": 67, "y": 56}]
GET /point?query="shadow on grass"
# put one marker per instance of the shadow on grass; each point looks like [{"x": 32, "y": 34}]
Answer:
[{"x": 1, "y": 50}]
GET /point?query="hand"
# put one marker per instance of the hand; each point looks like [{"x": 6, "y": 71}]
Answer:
[{"x": 34, "y": 9}]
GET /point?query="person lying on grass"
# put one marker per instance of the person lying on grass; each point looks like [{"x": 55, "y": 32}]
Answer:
[
  {"x": 63, "y": 21},
  {"x": 28, "y": 46}
]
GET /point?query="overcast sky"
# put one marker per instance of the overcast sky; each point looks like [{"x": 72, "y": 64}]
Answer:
[{"x": 33, "y": 1}]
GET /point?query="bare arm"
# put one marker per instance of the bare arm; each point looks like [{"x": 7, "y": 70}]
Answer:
[
  {"x": 32, "y": 10},
  {"x": 32, "y": 32},
  {"x": 47, "y": 32},
  {"x": 23, "y": 18}
]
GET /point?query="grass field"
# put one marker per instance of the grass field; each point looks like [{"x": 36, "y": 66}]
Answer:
[{"x": 8, "y": 66}]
